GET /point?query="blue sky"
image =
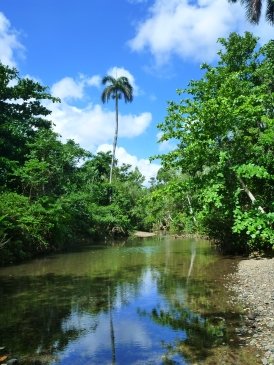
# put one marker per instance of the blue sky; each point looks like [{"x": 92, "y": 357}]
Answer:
[{"x": 158, "y": 44}]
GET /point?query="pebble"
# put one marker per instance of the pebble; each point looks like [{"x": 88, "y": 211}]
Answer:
[{"x": 253, "y": 286}]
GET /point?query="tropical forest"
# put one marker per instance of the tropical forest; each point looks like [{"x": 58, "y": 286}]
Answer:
[
  {"x": 78, "y": 286},
  {"x": 217, "y": 182}
]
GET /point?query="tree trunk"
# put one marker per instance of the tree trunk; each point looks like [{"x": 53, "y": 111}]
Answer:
[
  {"x": 190, "y": 209},
  {"x": 115, "y": 139},
  {"x": 112, "y": 336},
  {"x": 250, "y": 195},
  {"x": 193, "y": 254}
]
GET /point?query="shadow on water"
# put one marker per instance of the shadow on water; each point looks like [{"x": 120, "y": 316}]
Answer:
[{"x": 146, "y": 302}]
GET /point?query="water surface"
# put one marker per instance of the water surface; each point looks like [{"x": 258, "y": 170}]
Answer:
[{"x": 144, "y": 301}]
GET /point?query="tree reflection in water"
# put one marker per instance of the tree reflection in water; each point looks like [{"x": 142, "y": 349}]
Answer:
[
  {"x": 112, "y": 336},
  {"x": 201, "y": 333},
  {"x": 85, "y": 307},
  {"x": 193, "y": 254}
]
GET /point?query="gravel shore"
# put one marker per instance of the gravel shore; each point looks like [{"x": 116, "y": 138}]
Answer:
[{"x": 253, "y": 285}]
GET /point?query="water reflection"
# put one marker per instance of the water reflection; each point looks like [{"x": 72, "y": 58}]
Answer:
[
  {"x": 119, "y": 335},
  {"x": 148, "y": 302}
]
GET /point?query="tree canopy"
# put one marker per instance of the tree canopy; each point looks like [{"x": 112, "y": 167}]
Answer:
[
  {"x": 224, "y": 125},
  {"x": 54, "y": 194},
  {"x": 217, "y": 182},
  {"x": 22, "y": 115}
]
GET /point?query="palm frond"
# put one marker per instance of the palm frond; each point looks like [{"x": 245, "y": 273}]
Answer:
[
  {"x": 108, "y": 79},
  {"x": 117, "y": 88},
  {"x": 253, "y": 10},
  {"x": 107, "y": 93},
  {"x": 270, "y": 11}
]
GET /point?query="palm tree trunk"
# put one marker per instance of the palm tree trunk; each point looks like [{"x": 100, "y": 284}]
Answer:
[
  {"x": 112, "y": 336},
  {"x": 114, "y": 140}
]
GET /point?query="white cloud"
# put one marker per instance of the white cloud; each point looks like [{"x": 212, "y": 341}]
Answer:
[
  {"x": 120, "y": 71},
  {"x": 92, "y": 125},
  {"x": 33, "y": 78},
  {"x": 190, "y": 29},
  {"x": 132, "y": 125},
  {"x": 67, "y": 88},
  {"x": 146, "y": 168},
  {"x": 70, "y": 88},
  {"x": 9, "y": 42},
  {"x": 73, "y": 89},
  {"x": 94, "y": 81}
]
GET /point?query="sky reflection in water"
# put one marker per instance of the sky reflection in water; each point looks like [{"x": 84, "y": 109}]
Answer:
[
  {"x": 137, "y": 338},
  {"x": 115, "y": 305}
]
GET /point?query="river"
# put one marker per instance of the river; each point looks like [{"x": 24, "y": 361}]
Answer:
[{"x": 150, "y": 301}]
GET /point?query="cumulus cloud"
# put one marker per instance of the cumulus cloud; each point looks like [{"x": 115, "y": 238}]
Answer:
[
  {"x": 69, "y": 88},
  {"x": 92, "y": 125},
  {"x": 147, "y": 169},
  {"x": 10, "y": 45},
  {"x": 33, "y": 78},
  {"x": 190, "y": 29},
  {"x": 94, "y": 81}
]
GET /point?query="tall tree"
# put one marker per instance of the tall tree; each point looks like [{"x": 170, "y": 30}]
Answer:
[
  {"x": 116, "y": 88},
  {"x": 224, "y": 126},
  {"x": 22, "y": 116},
  {"x": 254, "y": 8}
]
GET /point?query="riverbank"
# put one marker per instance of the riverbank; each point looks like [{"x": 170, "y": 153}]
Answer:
[
  {"x": 253, "y": 285},
  {"x": 142, "y": 234}
]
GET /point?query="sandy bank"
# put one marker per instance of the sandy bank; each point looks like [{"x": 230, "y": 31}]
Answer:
[{"x": 143, "y": 234}]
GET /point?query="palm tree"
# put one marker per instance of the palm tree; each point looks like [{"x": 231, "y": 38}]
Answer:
[
  {"x": 116, "y": 88},
  {"x": 254, "y": 7}
]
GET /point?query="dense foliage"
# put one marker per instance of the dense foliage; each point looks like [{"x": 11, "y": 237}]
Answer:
[
  {"x": 53, "y": 194},
  {"x": 218, "y": 181},
  {"x": 219, "y": 178}
]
